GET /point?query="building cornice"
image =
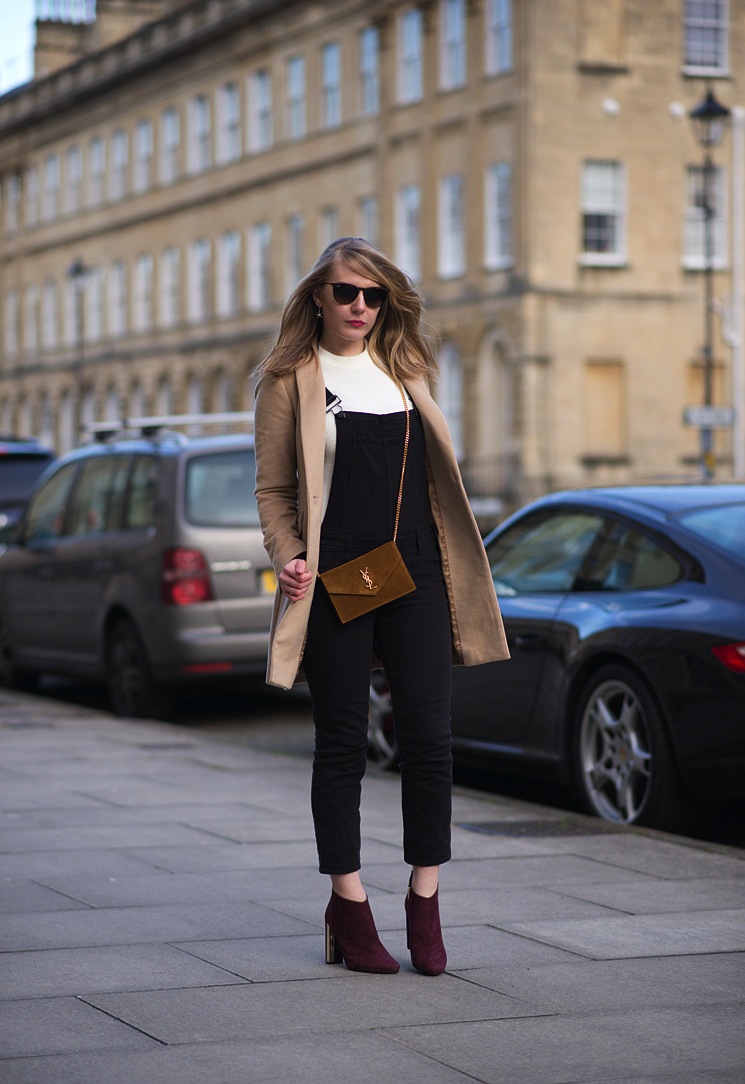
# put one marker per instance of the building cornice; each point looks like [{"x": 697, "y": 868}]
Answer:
[{"x": 181, "y": 32}]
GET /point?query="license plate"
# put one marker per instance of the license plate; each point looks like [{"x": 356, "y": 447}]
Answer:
[{"x": 268, "y": 580}]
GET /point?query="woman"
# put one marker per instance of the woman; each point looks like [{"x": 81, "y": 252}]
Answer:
[{"x": 330, "y": 428}]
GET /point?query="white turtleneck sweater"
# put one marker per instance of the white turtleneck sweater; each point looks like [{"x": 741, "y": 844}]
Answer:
[{"x": 362, "y": 387}]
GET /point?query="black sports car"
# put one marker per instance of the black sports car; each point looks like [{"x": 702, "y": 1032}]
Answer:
[{"x": 625, "y": 614}]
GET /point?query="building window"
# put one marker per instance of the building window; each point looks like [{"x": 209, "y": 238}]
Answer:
[
  {"x": 228, "y": 123},
  {"x": 97, "y": 171},
  {"x": 452, "y": 44},
  {"x": 93, "y": 301},
  {"x": 228, "y": 274},
  {"x": 296, "y": 97},
  {"x": 74, "y": 180},
  {"x": 452, "y": 239},
  {"x": 11, "y": 324},
  {"x": 370, "y": 71},
  {"x": 12, "y": 202},
  {"x": 706, "y": 28},
  {"x": 408, "y": 230},
  {"x": 32, "y": 196},
  {"x": 144, "y": 156},
  {"x": 694, "y": 233},
  {"x": 117, "y": 290},
  {"x": 170, "y": 141},
  {"x": 603, "y": 213},
  {"x": 51, "y": 187},
  {"x": 328, "y": 226},
  {"x": 259, "y": 266},
  {"x": 200, "y": 271},
  {"x": 498, "y": 216},
  {"x": 498, "y": 36},
  {"x": 449, "y": 394},
  {"x": 260, "y": 128},
  {"x": 119, "y": 164},
  {"x": 331, "y": 85},
  {"x": 49, "y": 314},
  {"x": 367, "y": 218},
  {"x": 143, "y": 293},
  {"x": 31, "y": 320},
  {"x": 410, "y": 48},
  {"x": 200, "y": 135},
  {"x": 170, "y": 288},
  {"x": 295, "y": 239}
]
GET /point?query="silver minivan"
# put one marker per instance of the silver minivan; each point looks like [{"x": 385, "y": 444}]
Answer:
[{"x": 139, "y": 561}]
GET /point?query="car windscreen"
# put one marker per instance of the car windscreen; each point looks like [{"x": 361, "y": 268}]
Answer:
[
  {"x": 18, "y": 473},
  {"x": 724, "y": 525},
  {"x": 220, "y": 489}
]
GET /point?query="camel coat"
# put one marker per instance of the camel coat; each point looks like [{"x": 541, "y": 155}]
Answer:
[{"x": 290, "y": 434}]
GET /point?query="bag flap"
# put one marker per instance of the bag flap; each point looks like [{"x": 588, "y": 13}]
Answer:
[{"x": 366, "y": 575}]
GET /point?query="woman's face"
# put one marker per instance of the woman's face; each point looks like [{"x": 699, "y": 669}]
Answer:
[{"x": 345, "y": 327}]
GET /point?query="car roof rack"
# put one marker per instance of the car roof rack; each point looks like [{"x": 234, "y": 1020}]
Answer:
[{"x": 159, "y": 425}]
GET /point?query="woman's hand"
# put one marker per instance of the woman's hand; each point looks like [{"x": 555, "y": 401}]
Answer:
[{"x": 294, "y": 579}]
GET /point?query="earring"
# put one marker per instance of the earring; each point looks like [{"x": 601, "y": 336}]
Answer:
[{"x": 319, "y": 313}]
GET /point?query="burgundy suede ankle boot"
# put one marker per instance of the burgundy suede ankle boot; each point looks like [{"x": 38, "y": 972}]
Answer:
[
  {"x": 351, "y": 936},
  {"x": 423, "y": 932}
]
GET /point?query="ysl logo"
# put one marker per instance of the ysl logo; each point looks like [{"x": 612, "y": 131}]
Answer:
[{"x": 368, "y": 579}]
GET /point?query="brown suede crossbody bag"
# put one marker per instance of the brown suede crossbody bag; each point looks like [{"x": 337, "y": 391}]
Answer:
[{"x": 378, "y": 576}]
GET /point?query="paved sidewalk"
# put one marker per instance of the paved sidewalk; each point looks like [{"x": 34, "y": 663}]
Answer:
[{"x": 162, "y": 923}]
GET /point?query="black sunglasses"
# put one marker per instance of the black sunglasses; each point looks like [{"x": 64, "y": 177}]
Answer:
[{"x": 345, "y": 293}]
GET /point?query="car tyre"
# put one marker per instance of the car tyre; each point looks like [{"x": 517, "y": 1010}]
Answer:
[
  {"x": 12, "y": 676},
  {"x": 132, "y": 691},
  {"x": 624, "y": 765}
]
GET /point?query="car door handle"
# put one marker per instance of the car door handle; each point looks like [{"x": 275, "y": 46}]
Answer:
[
  {"x": 46, "y": 572},
  {"x": 102, "y": 566},
  {"x": 529, "y": 641}
]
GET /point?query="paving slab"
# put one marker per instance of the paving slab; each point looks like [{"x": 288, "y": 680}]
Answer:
[
  {"x": 284, "y": 1008},
  {"x": 659, "y": 897},
  {"x": 64, "y": 972},
  {"x": 59, "y": 1025},
  {"x": 582, "y": 1049},
  {"x": 578, "y": 986},
  {"x": 136, "y": 925},
  {"x": 618, "y": 937},
  {"x": 304, "y": 1059}
]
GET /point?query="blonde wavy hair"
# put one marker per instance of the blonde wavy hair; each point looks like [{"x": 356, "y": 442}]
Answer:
[{"x": 396, "y": 342}]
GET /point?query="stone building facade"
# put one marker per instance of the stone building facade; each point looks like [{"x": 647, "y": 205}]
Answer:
[{"x": 176, "y": 166}]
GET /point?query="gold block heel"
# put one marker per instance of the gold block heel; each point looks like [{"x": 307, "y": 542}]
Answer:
[{"x": 333, "y": 955}]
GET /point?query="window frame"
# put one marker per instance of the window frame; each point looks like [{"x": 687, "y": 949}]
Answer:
[
  {"x": 410, "y": 67},
  {"x": 498, "y": 216},
  {"x": 618, "y": 211},
  {"x": 719, "y": 25}
]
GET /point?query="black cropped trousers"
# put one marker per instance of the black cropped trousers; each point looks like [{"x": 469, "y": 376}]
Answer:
[{"x": 411, "y": 636}]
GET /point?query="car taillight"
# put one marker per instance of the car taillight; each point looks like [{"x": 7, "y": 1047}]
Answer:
[
  {"x": 732, "y": 655},
  {"x": 185, "y": 578}
]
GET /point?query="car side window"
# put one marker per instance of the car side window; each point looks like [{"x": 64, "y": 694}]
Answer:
[
  {"x": 624, "y": 558},
  {"x": 543, "y": 552},
  {"x": 46, "y": 515},
  {"x": 142, "y": 493},
  {"x": 97, "y": 501}
]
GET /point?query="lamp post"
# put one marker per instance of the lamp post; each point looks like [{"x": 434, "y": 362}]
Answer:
[
  {"x": 710, "y": 120},
  {"x": 78, "y": 273}
]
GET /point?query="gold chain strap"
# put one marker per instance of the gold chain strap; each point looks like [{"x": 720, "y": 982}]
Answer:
[{"x": 403, "y": 465}]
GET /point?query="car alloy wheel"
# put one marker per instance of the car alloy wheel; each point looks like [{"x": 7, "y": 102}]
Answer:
[
  {"x": 624, "y": 764},
  {"x": 131, "y": 689}
]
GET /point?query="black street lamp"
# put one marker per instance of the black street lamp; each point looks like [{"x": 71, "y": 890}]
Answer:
[
  {"x": 710, "y": 120},
  {"x": 78, "y": 274}
]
